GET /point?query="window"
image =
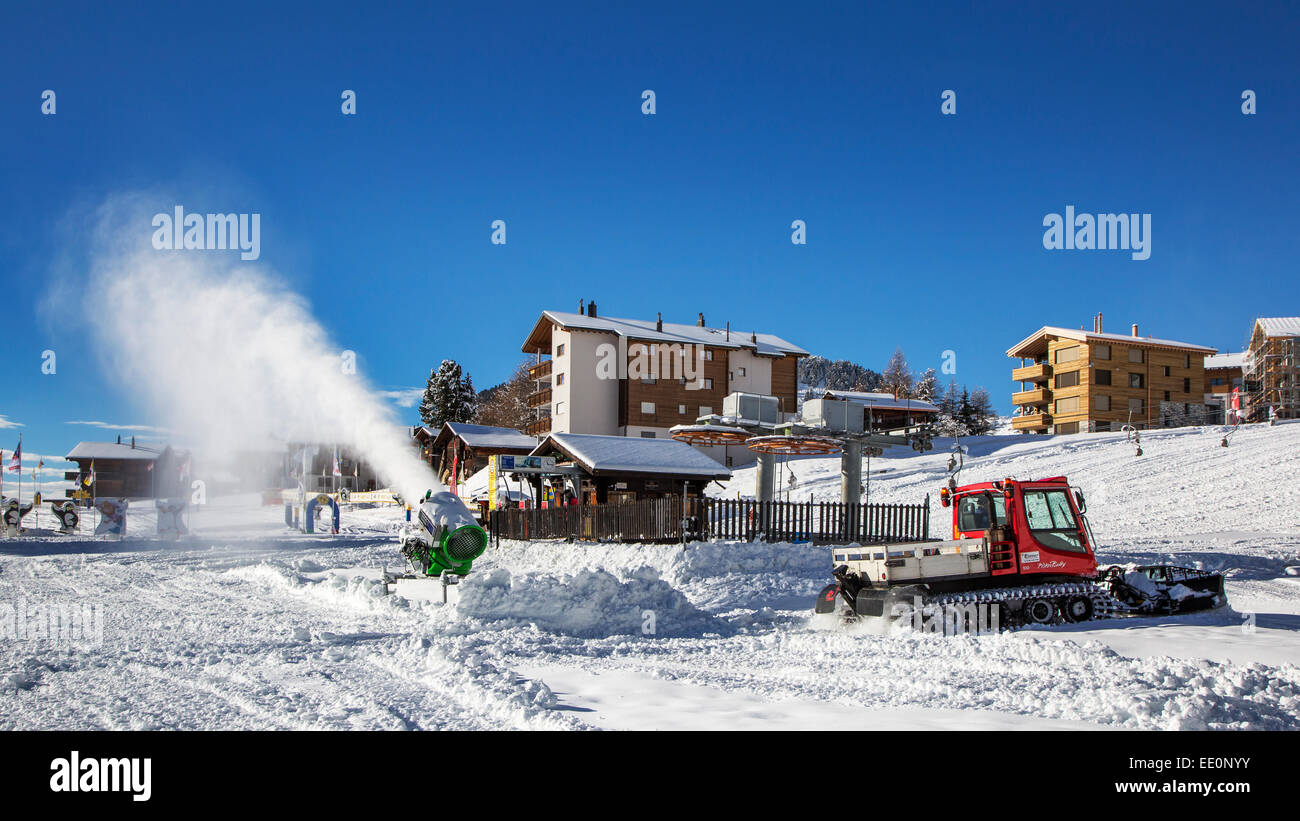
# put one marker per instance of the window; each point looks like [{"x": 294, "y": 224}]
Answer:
[
  {"x": 1135, "y": 406},
  {"x": 1187, "y": 385},
  {"x": 1052, "y": 521},
  {"x": 708, "y": 384},
  {"x": 1069, "y": 405},
  {"x": 1135, "y": 355},
  {"x": 1101, "y": 377},
  {"x": 559, "y": 408},
  {"x": 1102, "y": 403},
  {"x": 740, "y": 371},
  {"x": 708, "y": 354},
  {"x": 1102, "y": 427},
  {"x": 1068, "y": 427},
  {"x": 1067, "y": 380},
  {"x": 1135, "y": 380},
  {"x": 648, "y": 408},
  {"x": 559, "y": 349},
  {"x": 559, "y": 379},
  {"x": 973, "y": 511},
  {"x": 1067, "y": 355},
  {"x": 1166, "y": 396},
  {"x": 681, "y": 409},
  {"x": 705, "y": 410},
  {"x": 1166, "y": 370},
  {"x": 1187, "y": 360},
  {"x": 647, "y": 434},
  {"x": 1218, "y": 380},
  {"x": 1101, "y": 352}
]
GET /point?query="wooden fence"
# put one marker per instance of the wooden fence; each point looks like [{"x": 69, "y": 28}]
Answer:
[{"x": 662, "y": 520}]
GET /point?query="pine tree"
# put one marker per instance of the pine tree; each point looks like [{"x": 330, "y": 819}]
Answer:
[
  {"x": 928, "y": 388},
  {"x": 949, "y": 423},
  {"x": 965, "y": 412},
  {"x": 983, "y": 416},
  {"x": 448, "y": 396},
  {"x": 898, "y": 378}
]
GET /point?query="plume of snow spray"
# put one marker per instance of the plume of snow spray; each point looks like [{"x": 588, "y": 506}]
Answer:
[{"x": 224, "y": 355}]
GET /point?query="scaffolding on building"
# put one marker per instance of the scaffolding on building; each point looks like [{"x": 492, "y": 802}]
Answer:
[{"x": 1271, "y": 371}]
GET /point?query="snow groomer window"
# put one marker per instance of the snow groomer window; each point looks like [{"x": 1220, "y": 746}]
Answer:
[{"x": 1052, "y": 521}]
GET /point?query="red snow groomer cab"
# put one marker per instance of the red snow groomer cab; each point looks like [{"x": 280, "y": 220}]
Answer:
[{"x": 1024, "y": 547}]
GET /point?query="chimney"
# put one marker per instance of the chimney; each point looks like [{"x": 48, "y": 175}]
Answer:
[
  {"x": 700, "y": 321},
  {"x": 753, "y": 337},
  {"x": 582, "y": 303},
  {"x": 591, "y": 308},
  {"x": 1135, "y": 329},
  {"x": 119, "y": 438},
  {"x": 659, "y": 323},
  {"x": 1100, "y": 327},
  {"x": 132, "y": 443},
  {"x": 728, "y": 330}
]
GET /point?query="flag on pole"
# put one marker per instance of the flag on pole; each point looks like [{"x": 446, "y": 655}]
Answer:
[
  {"x": 337, "y": 472},
  {"x": 16, "y": 462},
  {"x": 90, "y": 476}
]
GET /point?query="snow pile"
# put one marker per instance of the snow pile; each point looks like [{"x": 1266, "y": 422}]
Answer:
[{"x": 590, "y": 603}]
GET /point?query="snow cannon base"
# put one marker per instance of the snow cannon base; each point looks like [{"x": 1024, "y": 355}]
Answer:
[{"x": 444, "y": 589}]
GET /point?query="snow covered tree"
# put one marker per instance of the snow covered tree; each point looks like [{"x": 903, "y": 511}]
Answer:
[
  {"x": 897, "y": 378},
  {"x": 506, "y": 405},
  {"x": 448, "y": 396},
  {"x": 948, "y": 423},
  {"x": 982, "y": 414},
  {"x": 820, "y": 374},
  {"x": 927, "y": 390}
]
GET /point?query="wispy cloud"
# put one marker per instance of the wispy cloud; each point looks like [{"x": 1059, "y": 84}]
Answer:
[
  {"x": 404, "y": 397},
  {"x": 6, "y": 422},
  {"x": 110, "y": 426}
]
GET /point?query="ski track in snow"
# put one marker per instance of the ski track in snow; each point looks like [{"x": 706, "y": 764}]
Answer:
[{"x": 245, "y": 626}]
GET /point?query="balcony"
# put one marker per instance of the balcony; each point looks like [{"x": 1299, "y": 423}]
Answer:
[
  {"x": 1038, "y": 396},
  {"x": 1037, "y": 372},
  {"x": 540, "y": 399},
  {"x": 541, "y": 372},
  {"x": 1031, "y": 421},
  {"x": 538, "y": 427}
]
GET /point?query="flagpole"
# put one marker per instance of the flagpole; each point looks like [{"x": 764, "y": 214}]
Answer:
[{"x": 18, "y": 458}]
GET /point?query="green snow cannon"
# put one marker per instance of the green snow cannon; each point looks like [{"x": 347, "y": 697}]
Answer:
[{"x": 447, "y": 539}]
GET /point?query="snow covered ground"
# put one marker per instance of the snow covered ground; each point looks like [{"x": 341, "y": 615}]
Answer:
[{"x": 246, "y": 625}]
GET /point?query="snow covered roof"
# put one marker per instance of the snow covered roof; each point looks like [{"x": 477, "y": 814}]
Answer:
[
  {"x": 1280, "y": 325},
  {"x": 1225, "y": 360},
  {"x": 112, "y": 450},
  {"x": 646, "y": 330},
  {"x": 625, "y": 454},
  {"x": 485, "y": 437},
  {"x": 475, "y": 487},
  {"x": 882, "y": 401},
  {"x": 1037, "y": 341}
]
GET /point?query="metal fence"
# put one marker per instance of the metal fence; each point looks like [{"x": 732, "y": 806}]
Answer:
[{"x": 666, "y": 520}]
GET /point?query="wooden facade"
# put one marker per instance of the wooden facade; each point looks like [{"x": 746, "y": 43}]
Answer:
[
  {"x": 675, "y": 400},
  {"x": 1072, "y": 382}
]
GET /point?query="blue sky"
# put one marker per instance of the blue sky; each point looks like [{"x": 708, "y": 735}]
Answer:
[{"x": 924, "y": 231}]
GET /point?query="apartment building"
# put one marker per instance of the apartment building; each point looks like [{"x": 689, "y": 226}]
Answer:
[
  {"x": 631, "y": 377},
  {"x": 1223, "y": 373},
  {"x": 1085, "y": 381},
  {"x": 1271, "y": 369},
  {"x": 1223, "y": 376}
]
